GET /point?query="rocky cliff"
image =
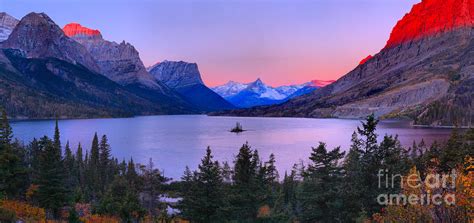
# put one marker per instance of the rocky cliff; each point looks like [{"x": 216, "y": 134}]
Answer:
[
  {"x": 39, "y": 37},
  {"x": 425, "y": 72},
  {"x": 119, "y": 62},
  {"x": 176, "y": 73},
  {"x": 185, "y": 78},
  {"x": 7, "y": 24}
]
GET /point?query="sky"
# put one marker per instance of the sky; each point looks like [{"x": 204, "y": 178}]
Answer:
[{"x": 280, "y": 41}]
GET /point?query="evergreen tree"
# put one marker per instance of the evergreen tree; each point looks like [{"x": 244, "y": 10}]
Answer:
[
  {"x": 57, "y": 140},
  {"x": 207, "y": 192},
  {"x": 69, "y": 167},
  {"x": 80, "y": 165},
  {"x": 6, "y": 133},
  {"x": 51, "y": 191},
  {"x": 244, "y": 200},
  {"x": 226, "y": 173},
  {"x": 153, "y": 182},
  {"x": 321, "y": 192},
  {"x": 106, "y": 171},
  {"x": 13, "y": 172},
  {"x": 352, "y": 181},
  {"x": 93, "y": 167},
  {"x": 370, "y": 165}
]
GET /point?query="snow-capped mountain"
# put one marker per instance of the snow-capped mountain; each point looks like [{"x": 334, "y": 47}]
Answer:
[
  {"x": 229, "y": 89},
  {"x": 257, "y": 93}
]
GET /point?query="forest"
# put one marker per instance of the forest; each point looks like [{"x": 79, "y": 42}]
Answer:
[{"x": 46, "y": 180}]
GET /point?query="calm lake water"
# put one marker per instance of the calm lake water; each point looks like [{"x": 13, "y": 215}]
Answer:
[{"x": 176, "y": 141}]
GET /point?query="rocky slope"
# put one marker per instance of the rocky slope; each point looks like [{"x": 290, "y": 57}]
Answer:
[
  {"x": 37, "y": 88},
  {"x": 39, "y": 37},
  {"x": 7, "y": 24},
  {"x": 119, "y": 62},
  {"x": 185, "y": 78},
  {"x": 425, "y": 72},
  {"x": 44, "y": 73}
]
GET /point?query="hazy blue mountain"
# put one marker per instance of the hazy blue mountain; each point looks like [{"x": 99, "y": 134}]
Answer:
[{"x": 185, "y": 79}]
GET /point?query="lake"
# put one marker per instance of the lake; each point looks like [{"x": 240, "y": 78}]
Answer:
[{"x": 176, "y": 141}]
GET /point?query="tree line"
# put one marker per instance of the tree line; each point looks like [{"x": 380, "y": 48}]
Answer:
[{"x": 333, "y": 186}]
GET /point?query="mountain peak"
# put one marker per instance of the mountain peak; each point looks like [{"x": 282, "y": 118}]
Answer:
[
  {"x": 7, "y": 24},
  {"x": 76, "y": 29},
  {"x": 176, "y": 73},
  {"x": 430, "y": 17},
  {"x": 39, "y": 37}
]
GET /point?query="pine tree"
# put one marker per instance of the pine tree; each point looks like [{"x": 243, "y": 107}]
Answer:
[
  {"x": 51, "y": 191},
  {"x": 244, "y": 200},
  {"x": 6, "y": 133},
  {"x": 80, "y": 165},
  {"x": 207, "y": 192},
  {"x": 153, "y": 182},
  {"x": 93, "y": 166},
  {"x": 106, "y": 171},
  {"x": 226, "y": 173},
  {"x": 368, "y": 132},
  {"x": 69, "y": 167},
  {"x": 352, "y": 184},
  {"x": 321, "y": 193},
  {"x": 57, "y": 140},
  {"x": 13, "y": 173}
]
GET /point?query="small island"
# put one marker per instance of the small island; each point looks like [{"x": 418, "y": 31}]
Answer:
[{"x": 238, "y": 128}]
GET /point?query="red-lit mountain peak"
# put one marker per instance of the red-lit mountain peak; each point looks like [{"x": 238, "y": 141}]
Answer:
[
  {"x": 363, "y": 61},
  {"x": 320, "y": 83},
  {"x": 73, "y": 29},
  {"x": 430, "y": 17}
]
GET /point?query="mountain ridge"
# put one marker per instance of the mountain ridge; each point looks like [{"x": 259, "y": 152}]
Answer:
[
  {"x": 257, "y": 93},
  {"x": 428, "y": 79},
  {"x": 185, "y": 78}
]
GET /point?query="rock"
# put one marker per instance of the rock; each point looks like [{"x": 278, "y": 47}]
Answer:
[
  {"x": 432, "y": 17},
  {"x": 119, "y": 62},
  {"x": 185, "y": 78},
  {"x": 39, "y": 37},
  {"x": 176, "y": 73},
  {"x": 426, "y": 73},
  {"x": 7, "y": 24},
  {"x": 363, "y": 61}
]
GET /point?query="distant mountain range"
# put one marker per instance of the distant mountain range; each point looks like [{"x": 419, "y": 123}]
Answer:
[
  {"x": 257, "y": 93},
  {"x": 425, "y": 73}
]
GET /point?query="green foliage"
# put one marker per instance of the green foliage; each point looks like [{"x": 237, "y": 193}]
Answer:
[
  {"x": 204, "y": 200},
  {"x": 331, "y": 188},
  {"x": 6, "y": 133},
  {"x": 7, "y": 216},
  {"x": 51, "y": 192},
  {"x": 13, "y": 173},
  {"x": 321, "y": 192}
]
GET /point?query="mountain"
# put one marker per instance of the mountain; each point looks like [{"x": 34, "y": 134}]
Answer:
[
  {"x": 425, "y": 72},
  {"x": 119, "y": 62},
  {"x": 229, "y": 89},
  {"x": 7, "y": 24},
  {"x": 185, "y": 78},
  {"x": 258, "y": 93},
  {"x": 49, "y": 88},
  {"x": 45, "y": 74},
  {"x": 39, "y": 37}
]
